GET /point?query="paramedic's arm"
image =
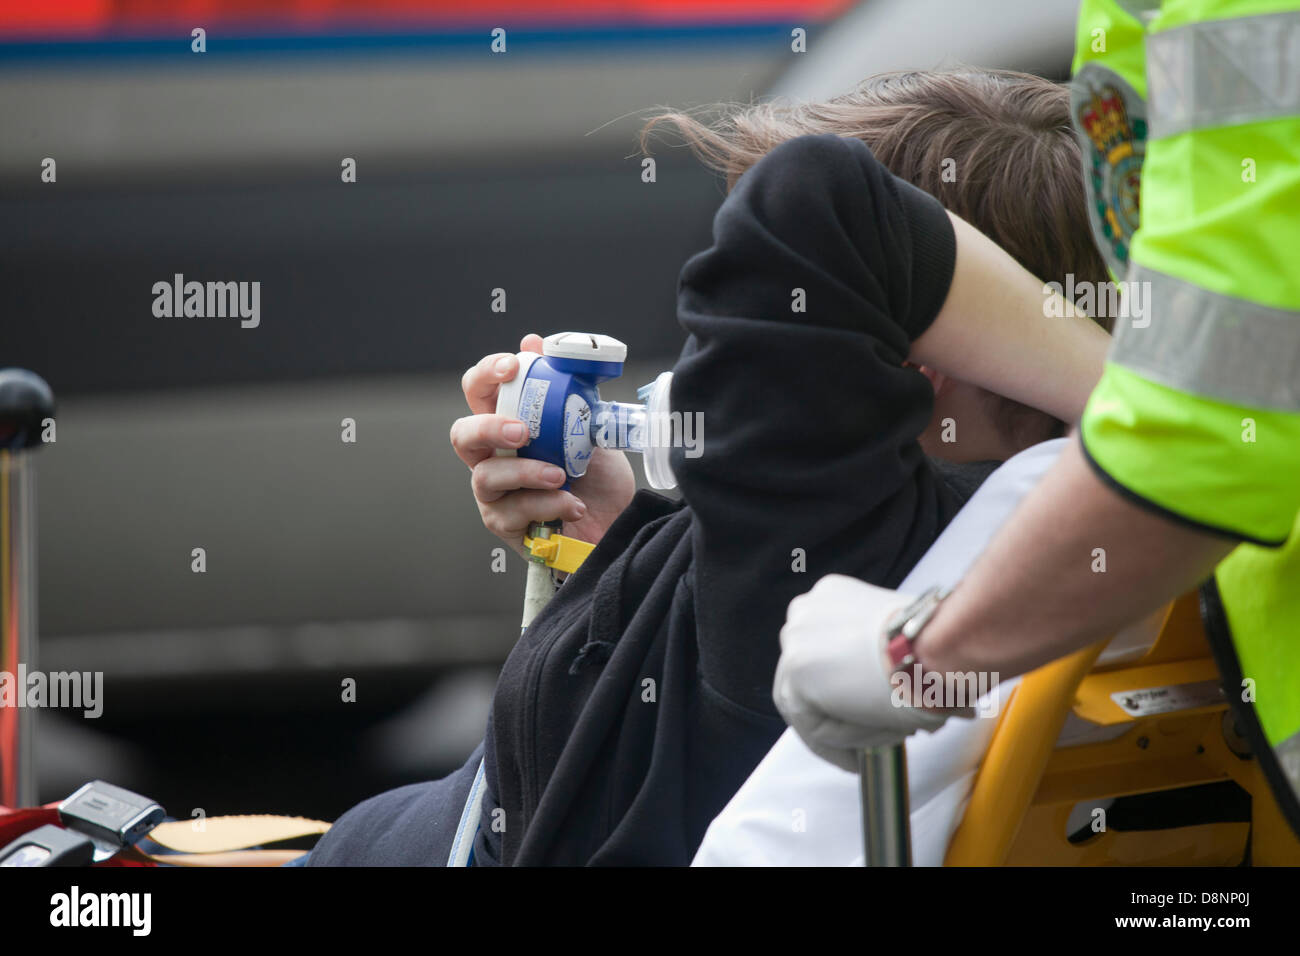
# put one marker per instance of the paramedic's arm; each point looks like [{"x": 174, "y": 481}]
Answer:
[{"x": 1033, "y": 596}]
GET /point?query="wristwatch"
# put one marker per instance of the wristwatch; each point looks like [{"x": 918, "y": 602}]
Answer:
[{"x": 903, "y": 627}]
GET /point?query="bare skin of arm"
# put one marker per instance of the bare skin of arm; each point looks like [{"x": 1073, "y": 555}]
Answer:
[
  {"x": 1033, "y": 597},
  {"x": 994, "y": 331}
]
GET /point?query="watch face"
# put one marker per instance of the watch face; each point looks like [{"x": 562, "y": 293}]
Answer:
[{"x": 29, "y": 855}]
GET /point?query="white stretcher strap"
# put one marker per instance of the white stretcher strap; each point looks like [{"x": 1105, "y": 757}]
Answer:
[{"x": 462, "y": 847}]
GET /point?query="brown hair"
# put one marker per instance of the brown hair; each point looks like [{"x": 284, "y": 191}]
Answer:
[{"x": 994, "y": 146}]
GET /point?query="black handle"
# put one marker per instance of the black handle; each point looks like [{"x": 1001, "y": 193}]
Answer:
[{"x": 25, "y": 402}]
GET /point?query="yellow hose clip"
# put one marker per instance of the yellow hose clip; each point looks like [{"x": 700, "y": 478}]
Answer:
[{"x": 558, "y": 551}]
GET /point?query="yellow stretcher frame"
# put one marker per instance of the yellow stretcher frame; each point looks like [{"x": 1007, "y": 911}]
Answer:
[{"x": 1027, "y": 786}]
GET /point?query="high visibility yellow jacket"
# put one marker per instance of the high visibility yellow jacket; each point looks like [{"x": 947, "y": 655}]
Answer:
[{"x": 1188, "y": 112}]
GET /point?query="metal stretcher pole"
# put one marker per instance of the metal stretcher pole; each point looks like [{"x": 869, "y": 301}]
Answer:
[
  {"x": 886, "y": 817},
  {"x": 539, "y": 587},
  {"x": 25, "y": 404}
]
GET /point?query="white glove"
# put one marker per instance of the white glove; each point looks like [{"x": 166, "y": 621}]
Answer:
[{"x": 832, "y": 683}]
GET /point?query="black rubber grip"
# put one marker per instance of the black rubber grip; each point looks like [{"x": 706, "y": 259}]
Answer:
[{"x": 25, "y": 402}]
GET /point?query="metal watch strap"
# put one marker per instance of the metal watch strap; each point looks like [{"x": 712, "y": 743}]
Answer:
[{"x": 904, "y": 626}]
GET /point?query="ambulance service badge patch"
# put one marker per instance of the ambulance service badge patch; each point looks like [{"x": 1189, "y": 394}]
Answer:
[{"x": 1110, "y": 119}]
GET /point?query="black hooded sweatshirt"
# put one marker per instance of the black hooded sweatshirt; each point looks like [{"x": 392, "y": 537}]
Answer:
[{"x": 641, "y": 698}]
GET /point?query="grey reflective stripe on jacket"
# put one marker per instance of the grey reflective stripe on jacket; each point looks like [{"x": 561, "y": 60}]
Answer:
[
  {"x": 1204, "y": 343},
  {"x": 1223, "y": 73}
]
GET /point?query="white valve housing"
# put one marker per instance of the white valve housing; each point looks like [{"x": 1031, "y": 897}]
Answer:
[{"x": 586, "y": 346}]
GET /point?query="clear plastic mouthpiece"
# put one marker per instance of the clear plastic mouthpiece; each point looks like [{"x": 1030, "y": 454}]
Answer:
[{"x": 645, "y": 429}]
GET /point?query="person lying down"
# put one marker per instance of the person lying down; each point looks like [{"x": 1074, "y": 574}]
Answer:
[{"x": 841, "y": 437}]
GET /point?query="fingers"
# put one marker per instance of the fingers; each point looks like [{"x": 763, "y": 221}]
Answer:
[
  {"x": 476, "y": 437},
  {"x": 495, "y": 477},
  {"x": 480, "y": 383},
  {"x": 510, "y": 517}
]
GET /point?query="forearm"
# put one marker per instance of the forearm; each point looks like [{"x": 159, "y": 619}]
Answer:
[
  {"x": 999, "y": 330},
  {"x": 1040, "y": 590}
]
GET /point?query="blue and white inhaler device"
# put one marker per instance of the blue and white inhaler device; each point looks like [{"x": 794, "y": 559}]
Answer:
[{"x": 556, "y": 395}]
